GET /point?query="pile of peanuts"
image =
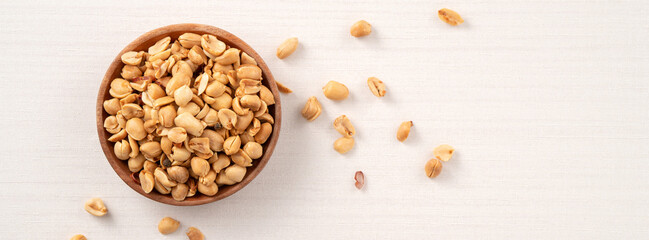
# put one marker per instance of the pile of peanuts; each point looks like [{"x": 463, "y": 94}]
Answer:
[{"x": 189, "y": 115}]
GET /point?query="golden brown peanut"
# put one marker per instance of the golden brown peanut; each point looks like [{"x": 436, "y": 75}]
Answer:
[
  {"x": 360, "y": 29},
  {"x": 178, "y": 174},
  {"x": 235, "y": 173},
  {"x": 241, "y": 158},
  {"x": 449, "y": 16},
  {"x": 283, "y": 88},
  {"x": 335, "y": 90},
  {"x": 247, "y": 71},
  {"x": 150, "y": 166},
  {"x": 191, "y": 108},
  {"x": 162, "y": 101},
  {"x": 135, "y": 128},
  {"x": 236, "y": 107},
  {"x": 168, "y": 225},
  {"x": 200, "y": 166},
  {"x": 253, "y": 128},
  {"x": 196, "y": 55},
  {"x": 376, "y": 86},
  {"x": 130, "y": 72},
  {"x": 216, "y": 140},
  {"x": 219, "y": 71},
  {"x": 212, "y": 117},
  {"x": 250, "y": 86},
  {"x": 215, "y": 89},
  {"x": 312, "y": 109},
  {"x": 135, "y": 149},
  {"x": 207, "y": 179},
  {"x": 111, "y": 125},
  {"x": 180, "y": 154},
  {"x": 263, "y": 109},
  {"x": 96, "y": 207},
  {"x": 128, "y": 99},
  {"x": 199, "y": 144},
  {"x": 161, "y": 188},
  {"x": 111, "y": 106},
  {"x": 266, "y": 95},
  {"x": 228, "y": 118},
  {"x": 232, "y": 145},
  {"x": 212, "y": 47},
  {"x": 344, "y": 144},
  {"x": 131, "y": 110},
  {"x": 132, "y": 58},
  {"x": 160, "y": 46},
  {"x": 209, "y": 189},
  {"x": 404, "y": 131},
  {"x": 221, "y": 162},
  {"x": 287, "y": 48},
  {"x": 147, "y": 180},
  {"x": 344, "y": 126},
  {"x": 120, "y": 88},
  {"x": 119, "y": 136},
  {"x": 247, "y": 59},
  {"x": 161, "y": 56},
  {"x": 189, "y": 40},
  {"x": 253, "y": 149},
  {"x": 195, "y": 234},
  {"x": 179, "y": 192},
  {"x": 221, "y": 179},
  {"x": 264, "y": 132},
  {"x": 161, "y": 176},
  {"x": 122, "y": 150},
  {"x": 136, "y": 163},
  {"x": 243, "y": 121},
  {"x": 443, "y": 152},
  {"x": 178, "y": 50},
  {"x": 151, "y": 150},
  {"x": 222, "y": 102},
  {"x": 251, "y": 101},
  {"x": 177, "y": 134},
  {"x": 183, "y": 95},
  {"x": 228, "y": 57},
  {"x": 78, "y": 237},
  {"x": 150, "y": 126},
  {"x": 192, "y": 125},
  {"x": 191, "y": 183},
  {"x": 166, "y": 145},
  {"x": 433, "y": 168},
  {"x": 177, "y": 80}
]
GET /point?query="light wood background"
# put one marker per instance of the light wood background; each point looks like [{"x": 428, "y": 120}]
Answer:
[{"x": 545, "y": 101}]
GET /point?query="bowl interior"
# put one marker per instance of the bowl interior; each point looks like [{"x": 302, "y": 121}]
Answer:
[{"x": 142, "y": 43}]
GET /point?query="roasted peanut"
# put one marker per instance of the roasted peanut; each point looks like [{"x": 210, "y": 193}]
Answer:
[
  {"x": 78, "y": 237},
  {"x": 404, "y": 131},
  {"x": 443, "y": 152},
  {"x": 235, "y": 173},
  {"x": 376, "y": 86},
  {"x": 195, "y": 234},
  {"x": 95, "y": 206},
  {"x": 312, "y": 109},
  {"x": 335, "y": 91},
  {"x": 287, "y": 48},
  {"x": 147, "y": 180},
  {"x": 433, "y": 167},
  {"x": 264, "y": 132},
  {"x": 253, "y": 149},
  {"x": 360, "y": 29},
  {"x": 168, "y": 225},
  {"x": 449, "y": 16},
  {"x": 344, "y": 144},
  {"x": 344, "y": 126}
]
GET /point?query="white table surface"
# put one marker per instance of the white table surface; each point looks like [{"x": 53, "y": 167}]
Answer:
[{"x": 545, "y": 101}]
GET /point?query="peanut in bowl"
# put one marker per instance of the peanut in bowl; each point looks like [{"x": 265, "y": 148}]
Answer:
[{"x": 188, "y": 114}]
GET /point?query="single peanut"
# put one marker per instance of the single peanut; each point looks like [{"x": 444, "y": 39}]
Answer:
[
  {"x": 449, "y": 16},
  {"x": 404, "y": 131},
  {"x": 360, "y": 29},
  {"x": 433, "y": 168},
  {"x": 287, "y": 48}
]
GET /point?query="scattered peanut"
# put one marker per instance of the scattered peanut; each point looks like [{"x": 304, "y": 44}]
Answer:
[
  {"x": 404, "y": 131},
  {"x": 344, "y": 144},
  {"x": 335, "y": 90},
  {"x": 283, "y": 88},
  {"x": 433, "y": 167},
  {"x": 194, "y": 234},
  {"x": 78, "y": 237},
  {"x": 344, "y": 126},
  {"x": 376, "y": 86},
  {"x": 359, "y": 177},
  {"x": 287, "y": 48},
  {"x": 449, "y": 16},
  {"x": 312, "y": 109},
  {"x": 168, "y": 225},
  {"x": 443, "y": 152},
  {"x": 360, "y": 29},
  {"x": 95, "y": 206}
]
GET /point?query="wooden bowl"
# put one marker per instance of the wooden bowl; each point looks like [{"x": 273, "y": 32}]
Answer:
[{"x": 141, "y": 44}]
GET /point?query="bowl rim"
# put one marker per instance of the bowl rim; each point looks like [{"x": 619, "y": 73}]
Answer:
[{"x": 159, "y": 33}]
